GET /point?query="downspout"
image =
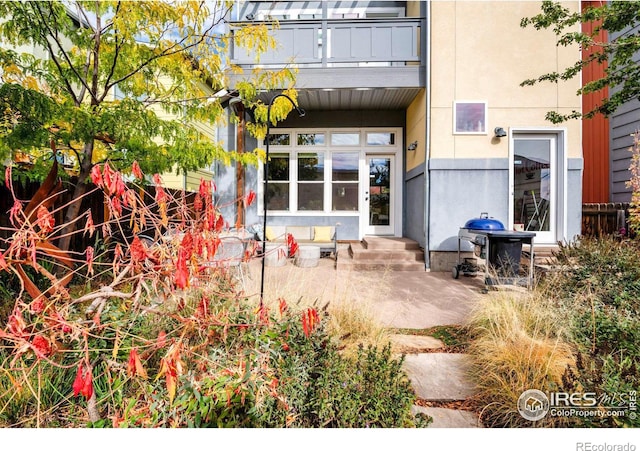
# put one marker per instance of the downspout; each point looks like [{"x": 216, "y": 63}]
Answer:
[{"x": 427, "y": 149}]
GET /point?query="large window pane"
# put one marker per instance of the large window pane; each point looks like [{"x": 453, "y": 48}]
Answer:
[
  {"x": 278, "y": 196},
  {"x": 310, "y": 167},
  {"x": 310, "y": 196},
  {"x": 344, "y": 197},
  {"x": 279, "y": 167},
  {"x": 532, "y": 184},
  {"x": 344, "y": 166}
]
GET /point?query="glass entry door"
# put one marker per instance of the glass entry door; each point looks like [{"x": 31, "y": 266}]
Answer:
[
  {"x": 379, "y": 196},
  {"x": 534, "y": 174}
]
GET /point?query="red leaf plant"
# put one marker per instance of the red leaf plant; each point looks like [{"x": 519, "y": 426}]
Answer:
[
  {"x": 181, "y": 276},
  {"x": 249, "y": 198},
  {"x": 96, "y": 176},
  {"x": 89, "y": 225},
  {"x": 45, "y": 220},
  {"x": 137, "y": 250},
  {"x": 41, "y": 346},
  {"x": 3, "y": 262},
  {"x": 89, "y": 257},
  {"x": 136, "y": 171},
  {"x": 15, "y": 212},
  {"x": 171, "y": 368},
  {"x": 282, "y": 306},
  {"x": 37, "y": 306},
  {"x": 292, "y": 244},
  {"x": 83, "y": 383},
  {"x": 310, "y": 319},
  {"x": 134, "y": 365}
]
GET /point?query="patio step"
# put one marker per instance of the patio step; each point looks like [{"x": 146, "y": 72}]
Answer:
[
  {"x": 388, "y": 243},
  {"x": 383, "y": 253}
]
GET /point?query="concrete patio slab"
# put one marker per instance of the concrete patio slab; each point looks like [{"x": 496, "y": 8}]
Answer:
[{"x": 398, "y": 299}]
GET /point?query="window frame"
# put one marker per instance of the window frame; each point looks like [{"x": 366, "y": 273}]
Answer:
[
  {"x": 293, "y": 150},
  {"x": 460, "y": 103}
]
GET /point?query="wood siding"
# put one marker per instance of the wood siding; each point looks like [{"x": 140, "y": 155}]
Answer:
[{"x": 595, "y": 131}]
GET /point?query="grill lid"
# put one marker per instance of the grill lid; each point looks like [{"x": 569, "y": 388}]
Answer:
[{"x": 484, "y": 222}]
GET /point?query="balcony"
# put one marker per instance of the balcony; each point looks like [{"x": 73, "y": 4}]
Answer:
[{"x": 339, "y": 54}]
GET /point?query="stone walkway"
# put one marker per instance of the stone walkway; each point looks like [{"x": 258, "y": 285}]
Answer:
[{"x": 402, "y": 300}]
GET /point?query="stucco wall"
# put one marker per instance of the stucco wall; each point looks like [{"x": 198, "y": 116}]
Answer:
[
  {"x": 479, "y": 52},
  {"x": 416, "y": 131}
]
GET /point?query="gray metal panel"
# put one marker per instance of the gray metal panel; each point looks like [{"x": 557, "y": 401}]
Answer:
[
  {"x": 622, "y": 124},
  {"x": 361, "y": 77},
  {"x": 404, "y": 41},
  {"x": 391, "y": 40},
  {"x": 414, "y": 200},
  {"x": 574, "y": 202},
  {"x": 381, "y": 42}
]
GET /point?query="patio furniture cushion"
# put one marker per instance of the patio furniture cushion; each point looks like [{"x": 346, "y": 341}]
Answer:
[
  {"x": 322, "y": 233},
  {"x": 300, "y": 233},
  {"x": 270, "y": 234}
]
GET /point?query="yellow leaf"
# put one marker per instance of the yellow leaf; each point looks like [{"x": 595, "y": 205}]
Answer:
[{"x": 30, "y": 83}]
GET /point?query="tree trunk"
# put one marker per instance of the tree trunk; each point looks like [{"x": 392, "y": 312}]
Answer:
[{"x": 73, "y": 210}]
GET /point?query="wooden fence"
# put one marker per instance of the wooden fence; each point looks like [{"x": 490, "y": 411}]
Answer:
[{"x": 605, "y": 219}]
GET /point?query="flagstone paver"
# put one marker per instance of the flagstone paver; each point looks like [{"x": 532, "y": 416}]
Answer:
[
  {"x": 439, "y": 376},
  {"x": 414, "y": 344}
]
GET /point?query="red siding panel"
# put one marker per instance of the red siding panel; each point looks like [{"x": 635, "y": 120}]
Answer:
[{"x": 595, "y": 131}]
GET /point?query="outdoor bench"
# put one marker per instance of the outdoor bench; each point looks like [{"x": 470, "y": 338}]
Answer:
[{"x": 324, "y": 237}]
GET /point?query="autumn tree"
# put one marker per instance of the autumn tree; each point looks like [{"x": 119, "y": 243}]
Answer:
[
  {"x": 622, "y": 73},
  {"x": 120, "y": 81}
]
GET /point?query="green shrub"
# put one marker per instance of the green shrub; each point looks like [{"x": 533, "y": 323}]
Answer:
[
  {"x": 600, "y": 293},
  {"x": 323, "y": 388}
]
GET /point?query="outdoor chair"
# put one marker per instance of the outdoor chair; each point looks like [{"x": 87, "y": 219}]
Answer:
[{"x": 230, "y": 254}]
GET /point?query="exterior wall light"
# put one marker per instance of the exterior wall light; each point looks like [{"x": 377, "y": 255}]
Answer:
[
  {"x": 413, "y": 146},
  {"x": 499, "y": 132}
]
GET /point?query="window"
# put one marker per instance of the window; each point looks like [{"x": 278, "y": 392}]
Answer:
[
  {"x": 344, "y": 181},
  {"x": 319, "y": 172},
  {"x": 345, "y": 139},
  {"x": 310, "y": 139},
  {"x": 470, "y": 118},
  {"x": 381, "y": 139},
  {"x": 311, "y": 181},
  {"x": 279, "y": 139},
  {"x": 279, "y": 176}
]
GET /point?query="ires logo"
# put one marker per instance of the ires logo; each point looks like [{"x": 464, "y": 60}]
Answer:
[
  {"x": 534, "y": 405},
  {"x": 561, "y": 399}
]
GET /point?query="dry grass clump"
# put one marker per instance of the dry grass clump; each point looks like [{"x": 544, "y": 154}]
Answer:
[
  {"x": 519, "y": 345},
  {"x": 353, "y": 324}
]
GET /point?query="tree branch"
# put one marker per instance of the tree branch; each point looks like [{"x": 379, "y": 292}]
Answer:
[{"x": 65, "y": 55}]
